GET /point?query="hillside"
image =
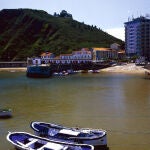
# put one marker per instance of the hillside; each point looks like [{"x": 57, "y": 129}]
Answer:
[{"x": 26, "y": 32}]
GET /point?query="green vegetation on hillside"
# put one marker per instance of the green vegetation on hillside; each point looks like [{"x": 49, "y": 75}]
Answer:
[{"x": 25, "y": 33}]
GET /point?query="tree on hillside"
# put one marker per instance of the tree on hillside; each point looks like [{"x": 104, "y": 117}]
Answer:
[{"x": 65, "y": 14}]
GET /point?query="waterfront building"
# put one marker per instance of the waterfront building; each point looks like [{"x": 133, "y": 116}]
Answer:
[
  {"x": 121, "y": 54},
  {"x": 46, "y": 56},
  {"x": 34, "y": 61},
  {"x": 84, "y": 53},
  {"x": 100, "y": 54},
  {"x": 137, "y": 37},
  {"x": 115, "y": 46},
  {"x": 81, "y": 56}
]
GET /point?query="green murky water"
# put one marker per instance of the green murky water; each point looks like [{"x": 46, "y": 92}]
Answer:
[{"x": 118, "y": 103}]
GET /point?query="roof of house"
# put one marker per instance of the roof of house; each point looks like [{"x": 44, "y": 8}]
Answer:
[
  {"x": 57, "y": 57},
  {"x": 65, "y": 54},
  {"x": 115, "y": 44},
  {"x": 85, "y": 49},
  {"x": 101, "y": 49},
  {"x": 87, "y": 52},
  {"x": 121, "y": 51},
  {"x": 46, "y": 54}
]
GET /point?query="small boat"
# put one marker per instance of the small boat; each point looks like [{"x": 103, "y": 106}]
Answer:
[
  {"x": 71, "y": 71},
  {"x": 27, "y": 141},
  {"x": 95, "y": 137},
  {"x": 59, "y": 74},
  {"x": 95, "y": 71},
  {"x": 5, "y": 113},
  {"x": 39, "y": 71}
]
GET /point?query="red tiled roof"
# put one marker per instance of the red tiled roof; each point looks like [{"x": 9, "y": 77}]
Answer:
[
  {"x": 57, "y": 57},
  {"x": 46, "y": 54},
  {"x": 121, "y": 52},
  {"x": 101, "y": 49},
  {"x": 86, "y": 49},
  {"x": 65, "y": 54}
]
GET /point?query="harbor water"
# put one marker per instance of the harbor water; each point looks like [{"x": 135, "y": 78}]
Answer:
[{"x": 118, "y": 103}]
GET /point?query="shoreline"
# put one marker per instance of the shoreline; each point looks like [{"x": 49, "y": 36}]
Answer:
[
  {"x": 130, "y": 68},
  {"x": 127, "y": 68},
  {"x": 18, "y": 69}
]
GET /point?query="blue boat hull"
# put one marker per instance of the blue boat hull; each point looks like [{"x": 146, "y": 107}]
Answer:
[{"x": 39, "y": 71}]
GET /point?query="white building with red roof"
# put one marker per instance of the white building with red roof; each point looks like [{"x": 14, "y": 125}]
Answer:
[{"x": 82, "y": 56}]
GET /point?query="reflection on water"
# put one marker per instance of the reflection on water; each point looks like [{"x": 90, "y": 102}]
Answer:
[{"x": 118, "y": 103}]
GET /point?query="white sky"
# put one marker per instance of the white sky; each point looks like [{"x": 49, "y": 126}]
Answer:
[{"x": 109, "y": 15}]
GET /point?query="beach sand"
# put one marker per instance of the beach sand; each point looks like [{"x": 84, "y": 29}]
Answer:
[{"x": 127, "y": 68}]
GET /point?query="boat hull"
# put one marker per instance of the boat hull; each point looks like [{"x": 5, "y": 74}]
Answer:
[
  {"x": 26, "y": 141},
  {"x": 97, "y": 143},
  {"x": 5, "y": 113},
  {"x": 39, "y": 71},
  {"x": 71, "y": 135}
]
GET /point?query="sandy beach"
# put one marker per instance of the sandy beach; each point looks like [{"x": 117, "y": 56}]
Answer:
[
  {"x": 127, "y": 68},
  {"x": 13, "y": 69}
]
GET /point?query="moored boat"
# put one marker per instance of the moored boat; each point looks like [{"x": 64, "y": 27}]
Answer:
[
  {"x": 5, "y": 113},
  {"x": 95, "y": 137},
  {"x": 60, "y": 74},
  {"x": 39, "y": 71},
  {"x": 27, "y": 141},
  {"x": 95, "y": 71}
]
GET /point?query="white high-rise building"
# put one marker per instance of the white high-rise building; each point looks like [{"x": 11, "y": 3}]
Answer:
[{"x": 137, "y": 37}]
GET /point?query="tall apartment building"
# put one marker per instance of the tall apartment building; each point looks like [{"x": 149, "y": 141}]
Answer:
[{"x": 137, "y": 37}]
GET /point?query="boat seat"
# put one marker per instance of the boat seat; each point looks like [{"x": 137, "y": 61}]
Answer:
[
  {"x": 28, "y": 144},
  {"x": 55, "y": 146},
  {"x": 31, "y": 141},
  {"x": 21, "y": 144}
]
